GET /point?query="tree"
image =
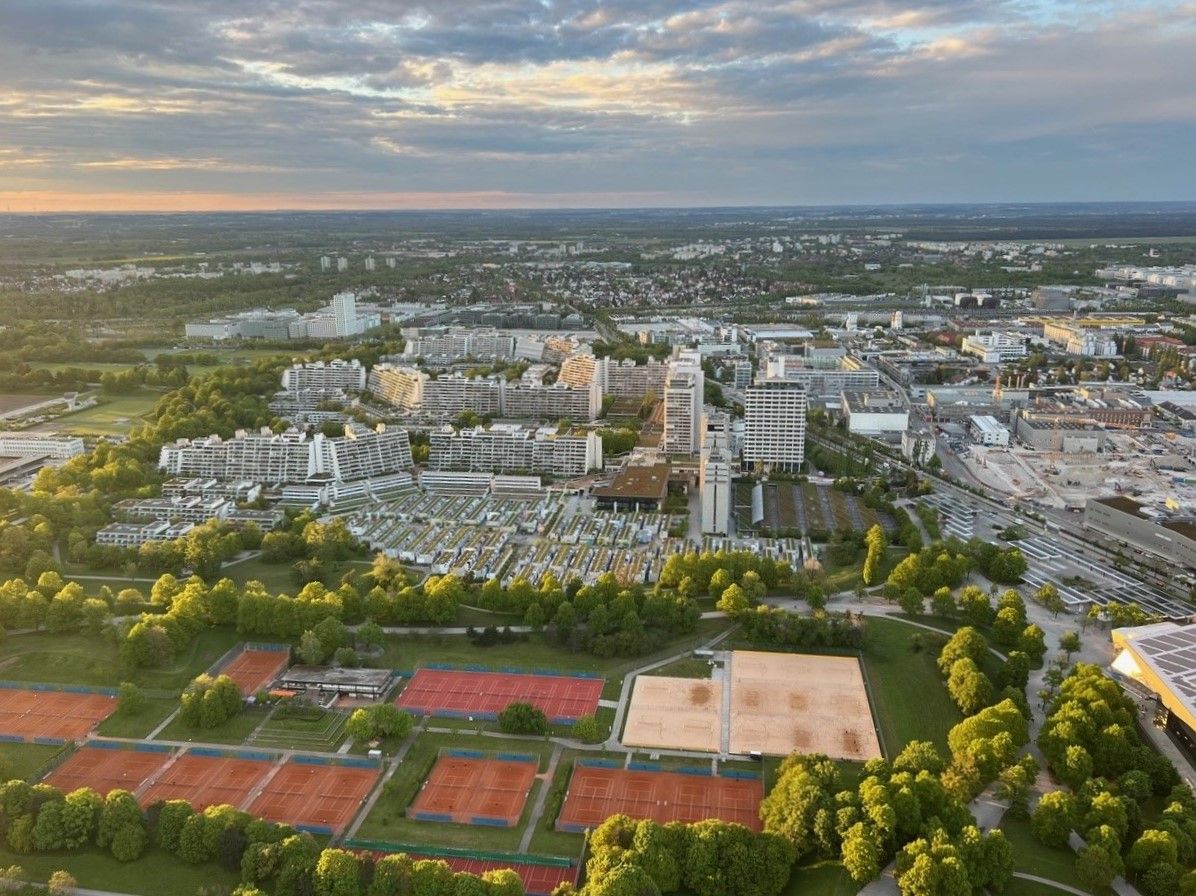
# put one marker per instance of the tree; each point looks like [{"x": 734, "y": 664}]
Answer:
[
  {"x": 911, "y": 602},
  {"x": 862, "y": 852},
  {"x": 1154, "y": 847},
  {"x": 733, "y": 601},
  {"x": 337, "y": 873},
  {"x": 877, "y": 545},
  {"x": 171, "y": 818},
  {"x": 130, "y": 699},
  {"x": 370, "y": 636},
  {"x": 966, "y": 642},
  {"x": 311, "y": 651},
  {"x": 61, "y": 883},
  {"x": 129, "y": 842},
  {"x": 1069, "y": 643},
  {"x": 1015, "y": 673},
  {"x": 1032, "y": 642},
  {"x": 120, "y": 810},
  {"x": 523, "y": 718},
  {"x": 1053, "y": 818},
  {"x": 1095, "y": 868},
  {"x": 586, "y": 729}
]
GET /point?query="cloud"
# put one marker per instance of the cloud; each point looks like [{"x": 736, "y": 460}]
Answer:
[{"x": 718, "y": 101}]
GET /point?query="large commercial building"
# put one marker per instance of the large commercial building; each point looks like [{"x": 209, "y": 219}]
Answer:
[
  {"x": 851, "y": 375},
  {"x": 683, "y": 392},
  {"x": 320, "y": 376},
  {"x": 995, "y": 347},
  {"x": 874, "y": 413},
  {"x": 27, "y": 444},
  {"x": 502, "y": 448},
  {"x": 1162, "y": 533},
  {"x": 775, "y": 425},
  {"x": 338, "y": 320},
  {"x": 1077, "y": 340},
  {"x": 290, "y": 457},
  {"x": 1051, "y": 433},
  {"x": 1158, "y": 657}
]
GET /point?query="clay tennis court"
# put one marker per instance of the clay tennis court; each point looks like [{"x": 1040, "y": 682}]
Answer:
[
  {"x": 443, "y": 692},
  {"x": 253, "y": 670},
  {"x": 475, "y": 791},
  {"x": 206, "y": 781},
  {"x": 315, "y": 796},
  {"x": 595, "y": 794},
  {"x": 786, "y": 702},
  {"x": 103, "y": 770},
  {"x": 59, "y": 715},
  {"x": 677, "y": 713}
]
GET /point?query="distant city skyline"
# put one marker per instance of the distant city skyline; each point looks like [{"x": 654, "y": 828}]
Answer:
[{"x": 131, "y": 105}]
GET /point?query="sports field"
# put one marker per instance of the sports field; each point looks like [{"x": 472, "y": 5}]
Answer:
[
  {"x": 104, "y": 769},
  {"x": 253, "y": 670},
  {"x": 54, "y": 715},
  {"x": 206, "y": 781},
  {"x": 675, "y": 713},
  {"x": 470, "y": 790},
  {"x": 321, "y": 798},
  {"x": 596, "y": 793},
  {"x": 787, "y": 702},
  {"x": 445, "y": 692}
]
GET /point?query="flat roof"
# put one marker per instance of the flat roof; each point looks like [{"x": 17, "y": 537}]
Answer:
[
  {"x": 646, "y": 483},
  {"x": 335, "y": 675},
  {"x": 1161, "y": 656}
]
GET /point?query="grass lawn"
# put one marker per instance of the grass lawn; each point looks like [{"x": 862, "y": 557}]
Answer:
[
  {"x": 78, "y": 658},
  {"x": 690, "y": 667},
  {"x": 323, "y": 734},
  {"x": 408, "y": 652},
  {"x": 1021, "y": 887},
  {"x": 139, "y": 724},
  {"x": 23, "y": 760},
  {"x": 234, "y": 731},
  {"x": 844, "y": 578},
  {"x": 821, "y": 879},
  {"x": 909, "y": 696},
  {"x": 111, "y": 417},
  {"x": 156, "y": 873},
  {"x": 1031, "y": 857},
  {"x": 387, "y": 820}
]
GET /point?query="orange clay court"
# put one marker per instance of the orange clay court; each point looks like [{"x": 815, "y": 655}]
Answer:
[
  {"x": 207, "y": 781},
  {"x": 597, "y": 793},
  {"x": 787, "y": 702},
  {"x": 55, "y": 714},
  {"x": 676, "y": 713},
  {"x": 314, "y": 796},
  {"x": 475, "y": 791},
  {"x": 104, "y": 770},
  {"x": 253, "y": 670}
]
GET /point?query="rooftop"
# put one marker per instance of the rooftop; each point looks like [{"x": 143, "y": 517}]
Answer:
[{"x": 630, "y": 483}]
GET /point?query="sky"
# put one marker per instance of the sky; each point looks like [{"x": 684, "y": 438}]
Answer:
[{"x": 174, "y": 105}]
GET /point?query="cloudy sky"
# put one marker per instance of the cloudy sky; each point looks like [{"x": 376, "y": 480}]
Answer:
[{"x": 255, "y": 104}]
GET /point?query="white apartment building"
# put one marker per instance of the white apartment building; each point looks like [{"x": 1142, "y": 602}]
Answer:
[
  {"x": 458, "y": 344},
  {"x": 683, "y": 398},
  {"x": 133, "y": 535},
  {"x": 448, "y": 396},
  {"x": 318, "y": 376},
  {"x": 775, "y": 425},
  {"x": 622, "y": 379},
  {"x": 401, "y": 386},
  {"x": 995, "y": 347},
  {"x": 511, "y": 447},
  {"x": 714, "y": 478},
  {"x": 27, "y": 444},
  {"x": 290, "y": 456},
  {"x": 535, "y": 401}
]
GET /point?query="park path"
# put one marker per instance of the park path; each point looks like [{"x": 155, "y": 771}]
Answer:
[
  {"x": 529, "y": 831},
  {"x": 392, "y": 766}
]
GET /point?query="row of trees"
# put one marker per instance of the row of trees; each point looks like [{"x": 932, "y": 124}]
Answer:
[
  {"x": 707, "y": 858},
  {"x": 1091, "y": 741},
  {"x": 780, "y": 629}
]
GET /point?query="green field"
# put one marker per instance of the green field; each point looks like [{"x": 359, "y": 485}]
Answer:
[
  {"x": 387, "y": 820},
  {"x": 23, "y": 760},
  {"x": 234, "y": 731},
  {"x": 155, "y": 874},
  {"x": 1031, "y": 857},
  {"x": 821, "y": 879},
  {"x": 77, "y": 658},
  {"x": 111, "y": 417},
  {"x": 323, "y": 734},
  {"x": 139, "y": 724}
]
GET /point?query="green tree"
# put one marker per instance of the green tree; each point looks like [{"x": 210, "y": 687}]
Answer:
[
  {"x": 586, "y": 730},
  {"x": 311, "y": 651},
  {"x": 877, "y": 545},
  {"x": 862, "y": 852},
  {"x": 129, "y": 842},
  {"x": 338, "y": 873},
  {"x": 523, "y": 718},
  {"x": 1069, "y": 643},
  {"x": 733, "y": 601},
  {"x": 130, "y": 699},
  {"x": 1154, "y": 847},
  {"x": 1095, "y": 868}
]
